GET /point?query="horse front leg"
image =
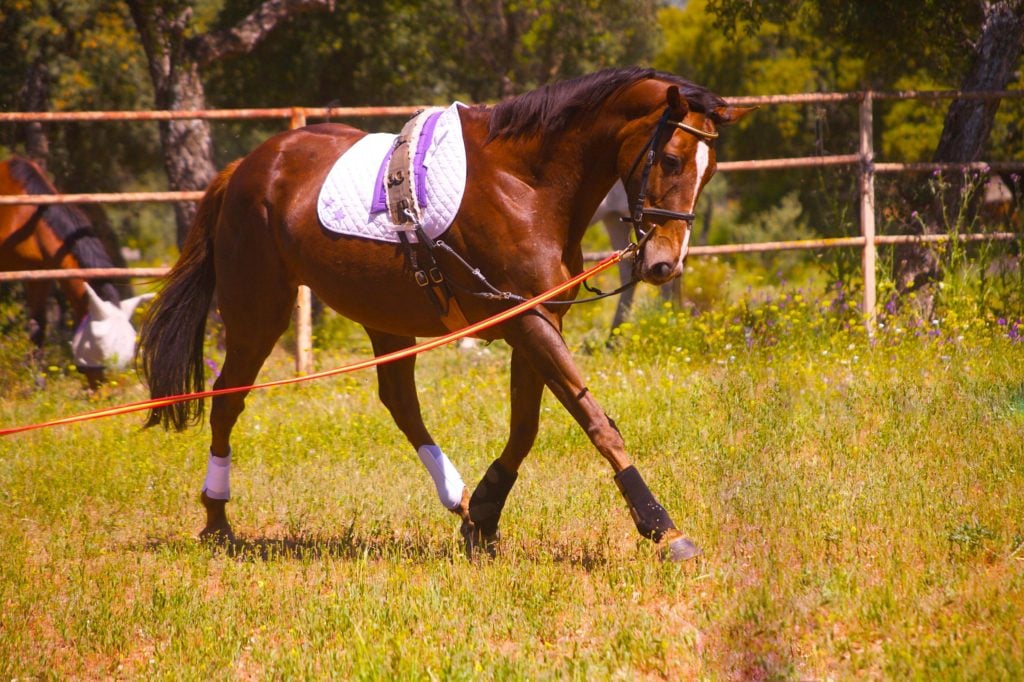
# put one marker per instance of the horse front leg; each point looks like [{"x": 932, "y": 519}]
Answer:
[
  {"x": 488, "y": 500},
  {"x": 539, "y": 340}
]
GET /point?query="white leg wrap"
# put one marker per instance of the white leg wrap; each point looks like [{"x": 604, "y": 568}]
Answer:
[
  {"x": 446, "y": 477},
  {"x": 218, "y": 471}
]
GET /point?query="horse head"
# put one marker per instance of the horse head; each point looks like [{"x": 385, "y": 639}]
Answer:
[
  {"x": 676, "y": 159},
  {"x": 105, "y": 337}
]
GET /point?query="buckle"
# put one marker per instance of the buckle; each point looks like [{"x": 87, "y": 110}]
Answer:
[
  {"x": 421, "y": 278},
  {"x": 436, "y": 276}
]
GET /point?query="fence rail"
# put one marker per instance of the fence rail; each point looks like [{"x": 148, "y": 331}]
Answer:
[{"x": 297, "y": 116}]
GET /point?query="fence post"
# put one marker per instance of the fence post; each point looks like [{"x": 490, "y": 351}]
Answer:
[
  {"x": 303, "y": 299},
  {"x": 867, "y": 209}
]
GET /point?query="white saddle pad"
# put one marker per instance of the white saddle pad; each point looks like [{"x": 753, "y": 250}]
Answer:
[{"x": 351, "y": 200}]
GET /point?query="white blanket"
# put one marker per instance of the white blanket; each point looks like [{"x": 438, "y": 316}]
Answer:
[{"x": 345, "y": 199}]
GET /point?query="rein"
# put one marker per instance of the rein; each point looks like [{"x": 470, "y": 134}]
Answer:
[
  {"x": 637, "y": 214},
  {"x": 495, "y": 294}
]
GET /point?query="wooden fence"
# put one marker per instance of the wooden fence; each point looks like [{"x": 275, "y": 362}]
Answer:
[{"x": 864, "y": 159}]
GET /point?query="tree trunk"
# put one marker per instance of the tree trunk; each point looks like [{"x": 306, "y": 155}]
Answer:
[
  {"x": 35, "y": 96},
  {"x": 188, "y": 151},
  {"x": 964, "y": 135},
  {"x": 174, "y": 67}
]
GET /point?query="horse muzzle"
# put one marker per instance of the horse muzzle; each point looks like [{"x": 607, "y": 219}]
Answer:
[{"x": 660, "y": 259}]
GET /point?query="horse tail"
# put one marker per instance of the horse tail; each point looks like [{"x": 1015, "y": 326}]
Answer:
[{"x": 171, "y": 339}]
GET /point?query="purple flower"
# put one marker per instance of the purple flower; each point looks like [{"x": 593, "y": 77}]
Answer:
[
  {"x": 1001, "y": 321},
  {"x": 1015, "y": 333}
]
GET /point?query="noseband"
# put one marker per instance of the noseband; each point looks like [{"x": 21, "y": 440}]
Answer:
[{"x": 637, "y": 212}]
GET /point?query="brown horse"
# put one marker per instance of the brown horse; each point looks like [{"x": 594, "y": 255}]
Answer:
[
  {"x": 60, "y": 236},
  {"x": 537, "y": 167}
]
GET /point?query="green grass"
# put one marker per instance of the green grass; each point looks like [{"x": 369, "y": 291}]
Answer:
[{"x": 859, "y": 502}]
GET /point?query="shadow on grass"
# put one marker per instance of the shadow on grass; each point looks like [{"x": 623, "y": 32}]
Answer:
[
  {"x": 350, "y": 545},
  {"x": 353, "y": 545}
]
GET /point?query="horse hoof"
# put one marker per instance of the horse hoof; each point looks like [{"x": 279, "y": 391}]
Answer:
[
  {"x": 476, "y": 542},
  {"x": 679, "y": 549},
  {"x": 220, "y": 535}
]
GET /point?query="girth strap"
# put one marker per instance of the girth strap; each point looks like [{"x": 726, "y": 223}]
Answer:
[
  {"x": 404, "y": 210},
  {"x": 399, "y": 192}
]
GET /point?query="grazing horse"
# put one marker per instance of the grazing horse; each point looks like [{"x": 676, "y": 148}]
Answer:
[
  {"x": 60, "y": 236},
  {"x": 537, "y": 166}
]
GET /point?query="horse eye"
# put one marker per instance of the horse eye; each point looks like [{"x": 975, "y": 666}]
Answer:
[{"x": 672, "y": 163}]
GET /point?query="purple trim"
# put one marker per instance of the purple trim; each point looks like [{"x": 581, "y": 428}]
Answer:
[
  {"x": 379, "y": 202},
  {"x": 422, "y": 145}
]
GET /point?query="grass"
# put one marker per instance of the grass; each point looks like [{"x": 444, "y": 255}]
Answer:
[{"x": 858, "y": 501}]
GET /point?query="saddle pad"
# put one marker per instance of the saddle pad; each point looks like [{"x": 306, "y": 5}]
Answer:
[{"x": 347, "y": 205}]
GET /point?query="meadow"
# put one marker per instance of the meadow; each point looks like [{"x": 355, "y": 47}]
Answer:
[{"x": 858, "y": 500}]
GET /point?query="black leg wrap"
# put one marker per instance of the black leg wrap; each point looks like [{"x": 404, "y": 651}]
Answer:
[
  {"x": 489, "y": 498},
  {"x": 650, "y": 518}
]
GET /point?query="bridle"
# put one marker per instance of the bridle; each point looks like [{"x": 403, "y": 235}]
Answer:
[{"x": 637, "y": 212}]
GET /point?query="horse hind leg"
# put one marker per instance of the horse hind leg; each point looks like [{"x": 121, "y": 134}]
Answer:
[
  {"x": 251, "y": 330},
  {"x": 397, "y": 390},
  {"x": 618, "y": 235}
]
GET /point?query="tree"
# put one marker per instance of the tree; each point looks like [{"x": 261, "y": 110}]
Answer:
[
  {"x": 980, "y": 50},
  {"x": 433, "y": 51},
  {"x": 177, "y": 50},
  {"x": 995, "y": 57}
]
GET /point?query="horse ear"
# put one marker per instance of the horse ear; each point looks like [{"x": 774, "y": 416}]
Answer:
[
  {"x": 98, "y": 308},
  {"x": 128, "y": 306},
  {"x": 727, "y": 115},
  {"x": 676, "y": 102}
]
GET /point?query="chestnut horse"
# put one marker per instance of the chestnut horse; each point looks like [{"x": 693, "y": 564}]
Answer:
[
  {"x": 538, "y": 165},
  {"x": 60, "y": 236}
]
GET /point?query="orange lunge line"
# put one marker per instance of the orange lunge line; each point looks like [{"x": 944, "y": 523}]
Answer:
[{"x": 362, "y": 364}]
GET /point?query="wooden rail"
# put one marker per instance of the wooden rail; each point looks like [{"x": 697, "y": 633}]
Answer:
[{"x": 297, "y": 117}]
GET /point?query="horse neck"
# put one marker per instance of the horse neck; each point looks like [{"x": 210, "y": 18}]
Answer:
[{"x": 573, "y": 171}]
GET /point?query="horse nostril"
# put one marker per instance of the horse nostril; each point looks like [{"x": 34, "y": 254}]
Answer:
[{"x": 662, "y": 270}]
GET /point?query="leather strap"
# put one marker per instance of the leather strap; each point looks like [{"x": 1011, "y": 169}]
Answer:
[{"x": 405, "y": 213}]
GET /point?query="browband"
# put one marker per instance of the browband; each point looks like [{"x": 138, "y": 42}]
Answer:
[{"x": 695, "y": 131}]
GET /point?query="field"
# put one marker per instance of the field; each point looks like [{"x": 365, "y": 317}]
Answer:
[{"x": 859, "y": 502}]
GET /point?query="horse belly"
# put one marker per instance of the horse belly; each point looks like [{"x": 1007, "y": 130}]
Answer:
[{"x": 371, "y": 285}]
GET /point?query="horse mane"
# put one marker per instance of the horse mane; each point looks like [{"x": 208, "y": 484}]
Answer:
[
  {"x": 69, "y": 224},
  {"x": 554, "y": 107}
]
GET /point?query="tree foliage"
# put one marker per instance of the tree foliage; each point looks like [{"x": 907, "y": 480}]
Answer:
[
  {"x": 77, "y": 55},
  {"x": 88, "y": 54},
  {"x": 431, "y": 51}
]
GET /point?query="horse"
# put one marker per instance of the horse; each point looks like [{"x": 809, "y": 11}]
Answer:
[
  {"x": 60, "y": 236},
  {"x": 537, "y": 166}
]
